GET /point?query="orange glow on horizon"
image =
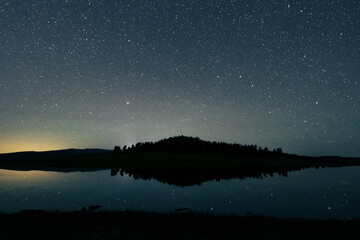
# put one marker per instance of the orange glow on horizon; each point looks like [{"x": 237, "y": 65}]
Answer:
[
  {"x": 33, "y": 175},
  {"x": 13, "y": 144}
]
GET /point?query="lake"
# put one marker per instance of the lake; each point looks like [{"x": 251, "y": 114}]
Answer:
[{"x": 310, "y": 193}]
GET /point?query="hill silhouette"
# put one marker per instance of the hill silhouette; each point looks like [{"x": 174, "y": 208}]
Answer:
[
  {"x": 180, "y": 161},
  {"x": 50, "y": 155},
  {"x": 194, "y": 145}
]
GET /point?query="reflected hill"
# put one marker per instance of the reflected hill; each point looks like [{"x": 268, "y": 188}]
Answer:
[
  {"x": 203, "y": 161},
  {"x": 180, "y": 161},
  {"x": 190, "y": 176}
]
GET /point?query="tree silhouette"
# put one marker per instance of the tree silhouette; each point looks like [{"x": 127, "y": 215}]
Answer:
[
  {"x": 194, "y": 145},
  {"x": 117, "y": 149}
]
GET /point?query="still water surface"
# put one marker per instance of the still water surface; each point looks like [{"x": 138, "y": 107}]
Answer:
[{"x": 310, "y": 193}]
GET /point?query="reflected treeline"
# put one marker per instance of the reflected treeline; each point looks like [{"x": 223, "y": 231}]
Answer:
[{"x": 187, "y": 176}]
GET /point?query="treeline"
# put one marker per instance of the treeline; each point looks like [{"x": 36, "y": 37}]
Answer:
[{"x": 194, "y": 145}]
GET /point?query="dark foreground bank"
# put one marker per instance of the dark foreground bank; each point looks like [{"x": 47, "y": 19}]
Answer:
[{"x": 141, "y": 225}]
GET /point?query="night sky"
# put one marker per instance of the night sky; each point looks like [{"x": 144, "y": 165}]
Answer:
[{"x": 85, "y": 74}]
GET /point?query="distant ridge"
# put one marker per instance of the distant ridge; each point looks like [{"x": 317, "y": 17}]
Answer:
[{"x": 53, "y": 154}]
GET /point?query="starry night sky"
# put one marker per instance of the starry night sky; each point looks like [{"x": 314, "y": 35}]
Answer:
[{"x": 103, "y": 73}]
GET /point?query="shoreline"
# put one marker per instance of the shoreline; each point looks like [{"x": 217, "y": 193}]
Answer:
[{"x": 151, "y": 225}]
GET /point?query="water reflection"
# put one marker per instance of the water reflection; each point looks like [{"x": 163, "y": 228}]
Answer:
[
  {"x": 21, "y": 176},
  {"x": 196, "y": 176},
  {"x": 311, "y": 193}
]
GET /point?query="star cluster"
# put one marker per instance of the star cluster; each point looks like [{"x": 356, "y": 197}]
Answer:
[{"x": 104, "y": 73}]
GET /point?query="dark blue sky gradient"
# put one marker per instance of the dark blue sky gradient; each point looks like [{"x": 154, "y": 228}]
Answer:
[{"x": 104, "y": 73}]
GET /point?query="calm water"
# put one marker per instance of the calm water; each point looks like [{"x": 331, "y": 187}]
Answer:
[{"x": 311, "y": 193}]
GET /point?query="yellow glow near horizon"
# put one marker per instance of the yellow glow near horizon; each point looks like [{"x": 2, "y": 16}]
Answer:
[
  {"x": 33, "y": 175},
  {"x": 14, "y": 144},
  {"x": 8, "y": 147}
]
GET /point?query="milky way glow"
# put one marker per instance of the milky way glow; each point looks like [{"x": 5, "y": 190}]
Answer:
[{"x": 103, "y": 73}]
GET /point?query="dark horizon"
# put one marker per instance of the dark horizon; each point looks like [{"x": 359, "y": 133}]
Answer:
[{"x": 190, "y": 142}]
